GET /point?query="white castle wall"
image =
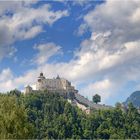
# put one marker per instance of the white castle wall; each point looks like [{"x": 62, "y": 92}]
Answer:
[{"x": 57, "y": 84}]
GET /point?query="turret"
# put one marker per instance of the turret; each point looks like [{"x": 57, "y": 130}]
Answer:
[
  {"x": 41, "y": 83},
  {"x": 57, "y": 77},
  {"x": 41, "y": 77},
  {"x": 28, "y": 89}
]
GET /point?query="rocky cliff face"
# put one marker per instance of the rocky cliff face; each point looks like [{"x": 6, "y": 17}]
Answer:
[{"x": 134, "y": 98}]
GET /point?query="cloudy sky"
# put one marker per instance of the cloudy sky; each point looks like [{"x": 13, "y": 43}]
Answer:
[{"x": 94, "y": 44}]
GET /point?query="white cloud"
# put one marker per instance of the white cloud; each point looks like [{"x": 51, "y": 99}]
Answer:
[
  {"x": 6, "y": 74},
  {"x": 80, "y": 2},
  {"x": 116, "y": 16},
  {"x": 115, "y": 41},
  {"x": 6, "y": 77},
  {"x": 32, "y": 32},
  {"x": 46, "y": 51},
  {"x": 100, "y": 87},
  {"x": 24, "y": 22},
  {"x": 9, "y": 82},
  {"x": 13, "y": 6},
  {"x": 82, "y": 29}
]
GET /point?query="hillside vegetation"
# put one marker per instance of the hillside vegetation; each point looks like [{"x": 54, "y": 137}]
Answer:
[{"x": 47, "y": 115}]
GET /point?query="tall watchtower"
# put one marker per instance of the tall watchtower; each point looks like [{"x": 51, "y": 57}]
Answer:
[
  {"x": 41, "y": 77},
  {"x": 41, "y": 82}
]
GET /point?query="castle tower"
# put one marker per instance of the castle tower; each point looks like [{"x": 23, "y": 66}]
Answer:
[
  {"x": 41, "y": 82},
  {"x": 41, "y": 77},
  {"x": 58, "y": 77},
  {"x": 28, "y": 89}
]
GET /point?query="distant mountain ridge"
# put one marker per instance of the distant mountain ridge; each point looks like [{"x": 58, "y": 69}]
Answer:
[{"x": 134, "y": 98}]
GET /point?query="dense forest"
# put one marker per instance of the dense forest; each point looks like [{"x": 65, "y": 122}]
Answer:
[{"x": 47, "y": 115}]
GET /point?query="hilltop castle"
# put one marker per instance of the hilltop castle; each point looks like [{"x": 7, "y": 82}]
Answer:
[
  {"x": 64, "y": 88},
  {"x": 55, "y": 85}
]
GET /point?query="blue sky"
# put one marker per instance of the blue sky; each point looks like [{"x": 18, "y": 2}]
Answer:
[{"x": 94, "y": 44}]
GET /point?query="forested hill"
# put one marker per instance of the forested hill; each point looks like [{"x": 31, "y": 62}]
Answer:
[{"x": 47, "y": 115}]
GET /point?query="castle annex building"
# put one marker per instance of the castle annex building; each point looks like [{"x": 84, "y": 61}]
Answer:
[{"x": 58, "y": 85}]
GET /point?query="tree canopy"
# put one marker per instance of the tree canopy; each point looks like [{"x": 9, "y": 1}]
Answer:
[
  {"x": 96, "y": 98},
  {"x": 47, "y": 115}
]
